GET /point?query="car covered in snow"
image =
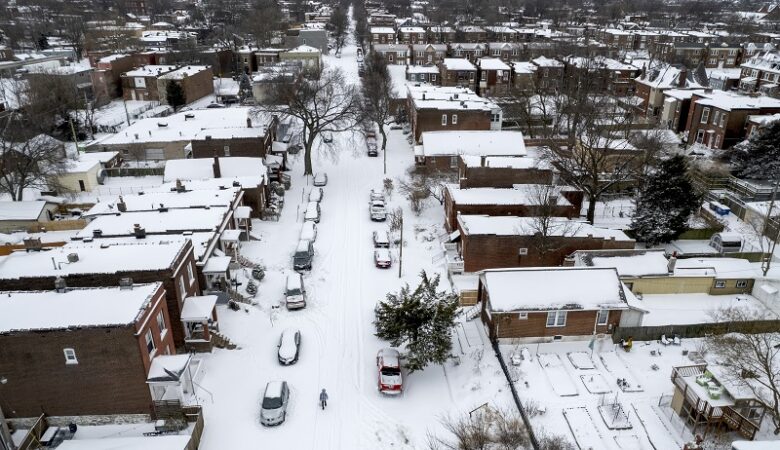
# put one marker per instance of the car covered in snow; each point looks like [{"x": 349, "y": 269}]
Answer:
[
  {"x": 294, "y": 292},
  {"x": 303, "y": 256},
  {"x": 376, "y": 195},
  {"x": 327, "y": 137},
  {"x": 289, "y": 346},
  {"x": 312, "y": 212},
  {"x": 320, "y": 179},
  {"x": 388, "y": 364},
  {"x": 371, "y": 144},
  {"x": 382, "y": 258},
  {"x": 377, "y": 211},
  {"x": 309, "y": 231},
  {"x": 315, "y": 195},
  {"x": 381, "y": 239},
  {"x": 273, "y": 408}
]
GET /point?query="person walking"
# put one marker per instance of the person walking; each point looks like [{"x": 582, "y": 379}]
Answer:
[{"x": 323, "y": 399}]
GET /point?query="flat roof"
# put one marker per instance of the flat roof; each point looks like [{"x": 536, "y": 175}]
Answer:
[
  {"x": 23, "y": 210},
  {"x": 487, "y": 143},
  {"x": 178, "y": 442},
  {"x": 171, "y": 221},
  {"x": 554, "y": 288},
  {"x": 473, "y": 224},
  {"x": 684, "y": 309},
  {"x": 521, "y": 194},
  {"x": 79, "y": 307},
  {"x": 152, "y": 201}
]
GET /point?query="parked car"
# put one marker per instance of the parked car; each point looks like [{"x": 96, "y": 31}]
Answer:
[
  {"x": 309, "y": 231},
  {"x": 382, "y": 258},
  {"x": 381, "y": 239},
  {"x": 289, "y": 346},
  {"x": 375, "y": 195},
  {"x": 327, "y": 136},
  {"x": 377, "y": 211},
  {"x": 320, "y": 179},
  {"x": 312, "y": 212},
  {"x": 273, "y": 409},
  {"x": 388, "y": 363},
  {"x": 372, "y": 150},
  {"x": 295, "y": 292},
  {"x": 315, "y": 195},
  {"x": 304, "y": 254},
  {"x": 371, "y": 143},
  {"x": 215, "y": 105}
]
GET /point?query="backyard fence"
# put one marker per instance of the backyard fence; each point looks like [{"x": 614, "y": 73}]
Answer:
[
  {"x": 695, "y": 330},
  {"x": 134, "y": 171},
  {"x": 523, "y": 414}
]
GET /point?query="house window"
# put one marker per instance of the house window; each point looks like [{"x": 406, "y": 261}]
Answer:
[
  {"x": 453, "y": 162},
  {"x": 602, "y": 317},
  {"x": 715, "y": 117},
  {"x": 556, "y": 319},
  {"x": 717, "y": 141},
  {"x": 190, "y": 274},
  {"x": 149, "y": 342},
  {"x": 433, "y": 77},
  {"x": 723, "y": 120},
  {"x": 182, "y": 287},
  {"x": 161, "y": 324},
  {"x": 522, "y": 316},
  {"x": 720, "y": 284},
  {"x": 454, "y": 119},
  {"x": 705, "y": 115},
  {"x": 741, "y": 283},
  {"x": 495, "y": 117},
  {"x": 444, "y": 120},
  {"x": 227, "y": 150},
  {"x": 699, "y": 136},
  {"x": 70, "y": 356}
]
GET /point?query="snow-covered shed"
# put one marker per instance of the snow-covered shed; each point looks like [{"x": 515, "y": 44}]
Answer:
[
  {"x": 24, "y": 214},
  {"x": 441, "y": 149}
]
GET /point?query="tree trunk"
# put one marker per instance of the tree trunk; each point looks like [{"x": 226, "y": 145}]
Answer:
[
  {"x": 591, "y": 209},
  {"x": 308, "y": 145},
  {"x": 384, "y": 146}
]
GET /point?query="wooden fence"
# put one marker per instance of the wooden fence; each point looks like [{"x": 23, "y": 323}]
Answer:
[
  {"x": 57, "y": 225},
  {"x": 695, "y": 330},
  {"x": 194, "y": 414},
  {"x": 134, "y": 171},
  {"x": 32, "y": 440}
]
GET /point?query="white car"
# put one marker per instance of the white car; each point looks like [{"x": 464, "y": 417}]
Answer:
[
  {"x": 381, "y": 239},
  {"x": 327, "y": 136},
  {"x": 377, "y": 211},
  {"x": 382, "y": 258},
  {"x": 320, "y": 179},
  {"x": 375, "y": 195},
  {"x": 289, "y": 346},
  {"x": 309, "y": 231},
  {"x": 315, "y": 195}
]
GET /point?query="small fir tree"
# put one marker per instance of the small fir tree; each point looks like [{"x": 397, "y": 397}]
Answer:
[
  {"x": 759, "y": 156},
  {"x": 420, "y": 320},
  {"x": 665, "y": 203},
  {"x": 174, "y": 94}
]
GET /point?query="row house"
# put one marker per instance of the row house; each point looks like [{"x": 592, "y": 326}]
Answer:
[
  {"x": 761, "y": 73},
  {"x": 107, "y": 76},
  {"x": 196, "y": 82},
  {"x": 428, "y": 54},
  {"x": 422, "y": 74},
  {"x": 470, "y": 51},
  {"x": 441, "y": 34},
  {"x": 501, "y": 34},
  {"x": 458, "y": 72},
  {"x": 472, "y": 34},
  {"x": 549, "y": 72},
  {"x": 141, "y": 83},
  {"x": 443, "y": 148},
  {"x": 613, "y": 76},
  {"x": 412, "y": 35},
  {"x": 393, "y": 53},
  {"x": 502, "y": 171},
  {"x": 382, "y": 19},
  {"x": 382, "y": 35},
  {"x": 722, "y": 55},
  {"x": 506, "y": 51},
  {"x": 442, "y": 108},
  {"x": 718, "y": 119},
  {"x": 649, "y": 88},
  {"x": 524, "y": 76},
  {"x": 495, "y": 77}
]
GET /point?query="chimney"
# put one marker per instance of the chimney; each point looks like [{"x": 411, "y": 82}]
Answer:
[
  {"x": 179, "y": 186},
  {"x": 59, "y": 285},
  {"x": 121, "y": 205},
  {"x": 682, "y": 77},
  {"x": 672, "y": 263},
  {"x": 249, "y": 122},
  {"x": 97, "y": 233},
  {"x": 217, "y": 171},
  {"x": 482, "y": 160},
  {"x": 125, "y": 283},
  {"x": 139, "y": 232}
]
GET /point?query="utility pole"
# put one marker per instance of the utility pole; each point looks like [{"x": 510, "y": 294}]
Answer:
[
  {"x": 127, "y": 114},
  {"x": 401, "y": 248},
  {"x": 767, "y": 261}
]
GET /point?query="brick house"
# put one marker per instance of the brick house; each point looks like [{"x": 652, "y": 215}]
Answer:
[
  {"x": 393, "y": 53},
  {"x": 428, "y": 54},
  {"x": 718, "y": 119},
  {"x": 441, "y": 35},
  {"x": 506, "y": 51},
  {"x": 107, "y": 76},
  {"x": 422, "y": 74},
  {"x": 67, "y": 354},
  {"x": 650, "y": 86},
  {"x": 612, "y": 76},
  {"x": 442, "y": 149},
  {"x": 196, "y": 82},
  {"x": 761, "y": 73},
  {"x": 501, "y": 34},
  {"x": 524, "y": 76},
  {"x": 412, "y": 35},
  {"x": 618, "y": 41},
  {"x": 495, "y": 77},
  {"x": 521, "y": 200},
  {"x": 101, "y": 265},
  {"x": 382, "y": 35},
  {"x": 502, "y": 171},
  {"x": 229, "y": 142},
  {"x": 491, "y": 242},
  {"x": 458, "y": 72},
  {"x": 718, "y": 54},
  {"x": 141, "y": 83},
  {"x": 549, "y": 72},
  {"x": 446, "y": 108},
  {"x": 472, "y": 34},
  {"x": 470, "y": 51},
  {"x": 559, "y": 303},
  {"x": 380, "y": 19}
]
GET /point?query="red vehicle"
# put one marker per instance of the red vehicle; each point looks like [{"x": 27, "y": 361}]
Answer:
[{"x": 388, "y": 363}]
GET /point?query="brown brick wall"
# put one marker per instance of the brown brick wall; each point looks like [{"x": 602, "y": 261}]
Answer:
[
  {"x": 578, "y": 323},
  {"x": 493, "y": 252},
  {"x": 502, "y": 177},
  {"x": 430, "y": 120},
  {"x": 198, "y": 85},
  {"x": 244, "y": 147}
]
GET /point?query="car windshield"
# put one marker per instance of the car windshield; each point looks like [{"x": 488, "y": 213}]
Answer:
[
  {"x": 391, "y": 371},
  {"x": 272, "y": 402},
  {"x": 301, "y": 255},
  {"x": 295, "y": 291}
]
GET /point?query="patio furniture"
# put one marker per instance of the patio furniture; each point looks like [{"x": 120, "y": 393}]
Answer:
[{"x": 664, "y": 341}]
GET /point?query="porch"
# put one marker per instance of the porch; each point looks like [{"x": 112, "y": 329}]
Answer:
[
  {"x": 173, "y": 378},
  {"x": 199, "y": 317}
]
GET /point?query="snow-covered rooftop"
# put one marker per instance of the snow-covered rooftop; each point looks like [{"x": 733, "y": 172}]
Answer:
[
  {"x": 715, "y": 267},
  {"x": 527, "y": 226},
  {"x": 523, "y": 194},
  {"x": 503, "y": 162},
  {"x": 458, "y": 64},
  {"x": 729, "y": 101},
  {"x": 492, "y": 64},
  {"x": 423, "y": 69},
  {"x": 178, "y": 442},
  {"x": 425, "y": 96},
  {"x": 173, "y": 221},
  {"x": 382, "y": 30},
  {"x": 95, "y": 257},
  {"x": 202, "y": 168},
  {"x": 629, "y": 263},
  {"x": 151, "y": 201},
  {"x": 80, "y": 307},
  {"x": 554, "y": 288},
  {"x": 23, "y": 210},
  {"x": 149, "y": 71},
  {"x": 478, "y": 143},
  {"x": 543, "y": 61},
  {"x": 183, "y": 72},
  {"x": 198, "y": 308}
]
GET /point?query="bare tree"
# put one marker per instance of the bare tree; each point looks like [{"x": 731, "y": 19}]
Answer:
[
  {"x": 51, "y": 103},
  {"x": 482, "y": 430},
  {"x": 263, "y": 21},
  {"x": 548, "y": 228},
  {"x": 339, "y": 22},
  {"x": 28, "y": 163},
  {"x": 751, "y": 361},
  {"x": 378, "y": 97},
  {"x": 323, "y": 104},
  {"x": 424, "y": 183}
]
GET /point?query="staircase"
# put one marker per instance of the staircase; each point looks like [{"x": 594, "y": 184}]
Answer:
[
  {"x": 472, "y": 312},
  {"x": 244, "y": 262},
  {"x": 171, "y": 412},
  {"x": 221, "y": 341}
]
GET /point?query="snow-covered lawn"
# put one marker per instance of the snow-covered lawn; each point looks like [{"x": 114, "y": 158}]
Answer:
[{"x": 677, "y": 309}]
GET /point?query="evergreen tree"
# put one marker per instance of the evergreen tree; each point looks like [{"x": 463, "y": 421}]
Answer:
[
  {"x": 421, "y": 320},
  {"x": 759, "y": 157},
  {"x": 174, "y": 94},
  {"x": 665, "y": 203}
]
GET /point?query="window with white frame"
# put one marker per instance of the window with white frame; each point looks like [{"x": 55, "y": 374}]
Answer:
[
  {"x": 717, "y": 141},
  {"x": 602, "y": 317},
  {"x": 720, "y": 284},
  {"x": 723, "y": 120},
  {"x": 453, "y": 162},
  {"x": 556, "y": 319},
  {"x": 715, "y": 117},
  {"x": 182, "y": 287},
  {"x": 742, "y": 283},
  {"x": 190, "y": 274},
  {"x": 705, "y": 115},
  {"x": 70, "y": 356},
  {"x": 444, "y": 120},
  {"x": 226, "y": 149},
  {"x": 454, "y": 119},
  {"x": 161, "y": 324},
  {"x": 150, "y": 347}
]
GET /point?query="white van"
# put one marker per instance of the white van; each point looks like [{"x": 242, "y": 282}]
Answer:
[
  {"x": 294, "y": 292},
  {"x": 312, "y": 212},
  {"x": 309, "y": 231}
]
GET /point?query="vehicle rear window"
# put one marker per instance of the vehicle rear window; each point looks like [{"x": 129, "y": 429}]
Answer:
[{"x": 391, "y": 371}]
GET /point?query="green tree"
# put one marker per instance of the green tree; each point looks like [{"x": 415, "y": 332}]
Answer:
[
  {"x": 174, "y": 94},
  {"x": 666, "y": 202},
  {"x": 759, "y": 157},
  {"x": 420, "y": 320}
]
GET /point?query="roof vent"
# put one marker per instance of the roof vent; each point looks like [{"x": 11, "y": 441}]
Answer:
[
  {"x": 73, "y": 257},
  {"x": 59, "y": 285},
  {"x": 162, "y": 124},
  {"x": 121, "y": 205},
  {"x": 126, "y": 283},
  {"x": 138, "y": 231},
  {"x": 97, "y": 232}
]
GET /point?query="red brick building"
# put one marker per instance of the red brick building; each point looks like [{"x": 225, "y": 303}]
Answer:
[
  {"x": 447, "y": 108},
  {"x": 502, "y": 171},
  {"x": 382, "y": 35},
  {"x": 428, "y": 54},
  {"x": 83, "y": 351},
  {"x": 141, "y": 83},
  {"x": 458, "y": 72},
  {"x": 495, "y": 77}
]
